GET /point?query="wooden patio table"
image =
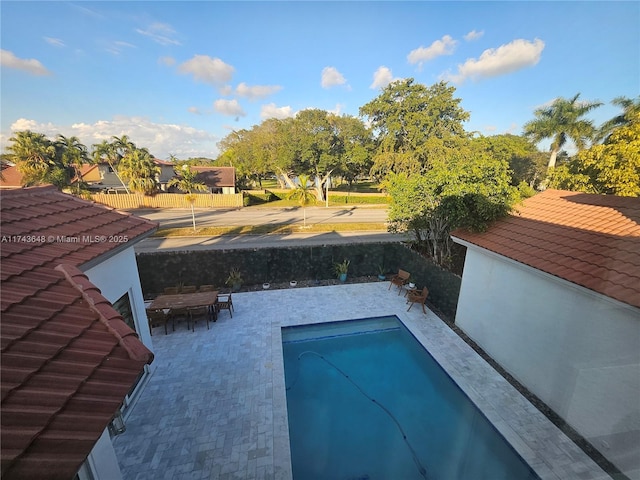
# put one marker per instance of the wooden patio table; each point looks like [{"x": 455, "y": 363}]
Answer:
[{"x": 184, "y": 300}]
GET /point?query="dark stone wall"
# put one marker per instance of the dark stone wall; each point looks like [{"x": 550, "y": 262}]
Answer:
[{"x": 165, "y": 269}]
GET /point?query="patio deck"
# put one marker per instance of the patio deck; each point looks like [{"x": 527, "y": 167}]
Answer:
[{"x": 215, "y": 407}]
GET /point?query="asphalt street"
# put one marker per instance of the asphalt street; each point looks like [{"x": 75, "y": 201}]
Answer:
[{"x": 264, "y": 216}]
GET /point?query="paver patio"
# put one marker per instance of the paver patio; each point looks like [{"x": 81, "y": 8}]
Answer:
[{"x": 215, "y": 406}]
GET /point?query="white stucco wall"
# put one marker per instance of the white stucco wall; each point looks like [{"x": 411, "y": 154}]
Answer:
[
  {"x": 578, "y": 351},
  {"x": 119, "y": 275},
  {"x": 114, "y": 277}
]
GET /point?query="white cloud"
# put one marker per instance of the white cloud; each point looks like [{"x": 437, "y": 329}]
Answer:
[
  {"x": 118, "y": 46},
  {"x": 331, "y": 77},
  {"x": 271, "y": 111},
  {"x": 229, "y": 107},
  {"x": 161, "y": 33},
  {"x": 382, "y": 77},
  {"x": 493, "y": 62},
  {"x": 208, "y": 70},
  {"x": 194, "y": 110},
  {"x": 30, "y": 65},
  {"x": 473, "y": 35},
  {"x": 167, "y": 61},
  {"x": 337, "y": 109},
  {"x": 160, "y": 138},
  {"x": 256, "y": 91},
  {"x": 225, "y": 90},
  {"x": 55, "y": 42},
  {"x": 444, "y": 46}
]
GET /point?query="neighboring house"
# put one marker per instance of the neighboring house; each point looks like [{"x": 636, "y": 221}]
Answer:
[
  {"x": 102, "y": 177},
  {"x": 552, "y": 293},
  {"x": 217, "y": 179},
  {"x": 167, "y": 172},
  {"x": 11, "y": 178},
  {"x": 76, "y": 346}
]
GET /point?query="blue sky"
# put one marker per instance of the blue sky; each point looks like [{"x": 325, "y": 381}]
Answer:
[{"x": 177, "y": 77}]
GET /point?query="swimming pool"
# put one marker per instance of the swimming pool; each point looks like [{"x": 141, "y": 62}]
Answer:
[{"x": 365, "y": 400}]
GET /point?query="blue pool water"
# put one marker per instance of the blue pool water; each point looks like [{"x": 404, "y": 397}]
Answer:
[{"x": 366, "y": 401}]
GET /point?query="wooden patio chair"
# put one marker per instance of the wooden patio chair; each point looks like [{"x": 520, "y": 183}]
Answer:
[
  {"x": 158, "y": 318},
  {"x": 188, "y": 289},
  {"x": 171, "y": 291},
  {"x": 399, "y": 279},
  {"x": 206, "y": 288},
  {"x": 224, "y": 302},
  {"x": 181, "y": 314},
  {"x": 198, "y": 312},
  {"x": 418, "y": 296}
]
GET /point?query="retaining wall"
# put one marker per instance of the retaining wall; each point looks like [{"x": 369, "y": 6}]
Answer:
[{"x": 274, "y": 265}]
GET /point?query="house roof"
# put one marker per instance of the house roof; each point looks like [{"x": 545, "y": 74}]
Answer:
[
  {"x": 216, "y": 176},
  {"x": 67, "y": 357},
  {"x": 590, "y": 240},
  {"x": 11, "y": 178},
  {"x": 165, "y": 163}
]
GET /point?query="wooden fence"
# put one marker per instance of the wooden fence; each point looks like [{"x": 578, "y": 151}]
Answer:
[{"x": 167, "y": 200}]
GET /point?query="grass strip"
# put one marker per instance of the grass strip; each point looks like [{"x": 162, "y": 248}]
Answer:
[{"x": 267, "y": 229}]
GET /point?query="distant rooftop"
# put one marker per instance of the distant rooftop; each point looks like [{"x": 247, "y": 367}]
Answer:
[{"x": 590, "y": 240}]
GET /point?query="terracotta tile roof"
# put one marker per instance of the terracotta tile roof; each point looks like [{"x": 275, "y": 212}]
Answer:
[
  {"x": 216, "y": 176},
  {"x": 590, "y": 240},
  {"x": 67, "y": 357},
  {"x": 11, "y": 178}
]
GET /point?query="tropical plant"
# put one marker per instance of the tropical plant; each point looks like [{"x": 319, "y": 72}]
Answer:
[
  {"x": 108, "y": 152},
  {"x": 629, "y": 107},
  {"x": 35, "y": 156},
  {"x": 186, "y": 182},
  {"x": 235, "y": 278},
  {"x": 303, "y": 194},
  {"x": 72, "y": 153},
  {"x": 561, "y": 121},
  {"x": 341, "y": 267},
  {"x": 138, "y": 167}
]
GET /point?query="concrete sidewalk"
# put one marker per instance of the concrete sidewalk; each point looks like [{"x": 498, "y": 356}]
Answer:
[{"x": 227, "y": 242}]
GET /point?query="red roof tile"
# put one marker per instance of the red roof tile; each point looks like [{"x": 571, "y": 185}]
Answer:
[
  {"x": 590, "y": 240},
  {"x": 216, "y": 176},
  {"x": 67, "y": 359}
]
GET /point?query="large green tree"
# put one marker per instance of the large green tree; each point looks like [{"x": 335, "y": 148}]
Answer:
[
  {"x": 414, "y": 124},
  {"x": 466, "y": 190},
  {"x": 561, "y": 121},
  {"x": 526, "y": 163}
]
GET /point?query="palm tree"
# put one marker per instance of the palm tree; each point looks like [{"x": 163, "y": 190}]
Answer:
[
  {"x": 303, "y": 194},
  {"x": 137, "y": 166},
  {"x": 72, "y": 154},
  {"x": 107, "y": 152},
  {"x": 34, "y": 155},
  {"x": 629, "y": 107},
  {"x": 186, "y": 181},
  {"x": 560, "y": 121}
]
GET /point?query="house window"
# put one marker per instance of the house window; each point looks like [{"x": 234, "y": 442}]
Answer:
[{"x": 123, "y": 307}]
